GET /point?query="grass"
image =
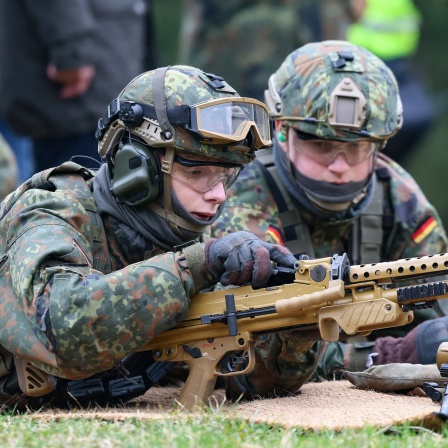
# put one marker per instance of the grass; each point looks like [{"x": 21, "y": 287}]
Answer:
[{"x": 206, "y": 429}]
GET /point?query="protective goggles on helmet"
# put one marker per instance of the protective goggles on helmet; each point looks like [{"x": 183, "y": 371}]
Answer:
[
  {"x": 202, "y": 176},
  {"x": 219, "y": 121},
  {"x": 227, "y": 120},
  {"x": 324, "y": 152}
]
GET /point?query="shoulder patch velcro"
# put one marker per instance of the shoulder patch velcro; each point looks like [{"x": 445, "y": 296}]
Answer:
[{"x": 424, "y": 229}]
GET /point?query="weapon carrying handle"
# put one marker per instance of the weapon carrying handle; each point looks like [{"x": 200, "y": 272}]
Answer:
[{"x": 335, "y": 291}]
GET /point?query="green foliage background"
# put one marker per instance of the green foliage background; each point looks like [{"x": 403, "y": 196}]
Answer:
[{"x": 429, "y": 162}]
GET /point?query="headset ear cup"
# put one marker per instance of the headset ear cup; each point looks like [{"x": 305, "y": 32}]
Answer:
[{"x": 136, "y": 178}]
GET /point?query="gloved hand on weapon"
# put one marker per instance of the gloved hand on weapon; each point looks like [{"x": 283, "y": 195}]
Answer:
[{"x": 235, "y": 259}]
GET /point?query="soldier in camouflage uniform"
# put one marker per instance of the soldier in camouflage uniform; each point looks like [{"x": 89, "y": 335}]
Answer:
[
  {"x": 94, "y": 265},
  {"x": 325, "y": 188},
  {"x": 255, "y": 35},
  {"x": 8, "y": 169}
]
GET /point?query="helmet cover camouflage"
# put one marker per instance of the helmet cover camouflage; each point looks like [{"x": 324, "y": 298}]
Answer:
[
  {"x": 184, "y": 85},
  {"x": 302, "y": 91}
]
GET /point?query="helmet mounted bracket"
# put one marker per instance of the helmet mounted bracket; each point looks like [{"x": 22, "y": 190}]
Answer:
[{"x": 347, "y": 105}]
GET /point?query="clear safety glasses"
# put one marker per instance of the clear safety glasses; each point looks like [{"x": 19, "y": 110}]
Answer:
[
  {"x": 230, "y": 120},
  {"x": 325, "y": 152},
  {"x": 202, "y": 176}
]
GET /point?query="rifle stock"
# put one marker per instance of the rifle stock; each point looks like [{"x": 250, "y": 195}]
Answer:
[{"x": 325, "y": 292}]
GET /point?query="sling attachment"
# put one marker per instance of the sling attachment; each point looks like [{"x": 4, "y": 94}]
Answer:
[
  {"x": 367, "y": 231},
  {"x": 297, "y": 232}
]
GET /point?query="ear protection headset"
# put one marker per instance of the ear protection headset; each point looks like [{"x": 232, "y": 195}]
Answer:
[
  {"x": 135, "y": 169},
  {"x": 136, "y": 177}
]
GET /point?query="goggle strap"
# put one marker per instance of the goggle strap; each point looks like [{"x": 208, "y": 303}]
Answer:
[
  {"x": 167, "y": 168},
  {"x": 177, "y": 115},
  {"x": 174, "y": 221}
]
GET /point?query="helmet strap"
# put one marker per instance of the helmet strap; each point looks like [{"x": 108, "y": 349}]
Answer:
[{"x": 174, "y": 221}]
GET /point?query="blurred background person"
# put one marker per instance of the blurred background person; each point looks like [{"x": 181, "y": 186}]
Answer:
[
  {"x": 255, "y": 35},
  {"x": 246, "y": 40},
  {"x": 391, "y": 30},
  {"x": 8, "y": 169},
  {"x": 22, "y": 148},
  {"x": 61, "y": 64}
]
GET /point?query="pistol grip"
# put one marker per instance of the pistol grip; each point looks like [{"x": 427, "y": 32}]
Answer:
[
  {"x": 200, "y": 382},
  {"x": 203, "y": 358}
]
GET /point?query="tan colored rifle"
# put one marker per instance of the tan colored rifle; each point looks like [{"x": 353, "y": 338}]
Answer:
[{"x": 326, "y": 292}]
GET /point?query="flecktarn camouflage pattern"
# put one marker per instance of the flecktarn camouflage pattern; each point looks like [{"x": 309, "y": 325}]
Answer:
[
  {"x": 411, "y": 226},
  {"x": 8, "y": 169},
  {"x": 80, "y": 288},
  {"x": 310, "y": 74},
  {"x": 190, "y": 86},
  {"x": 67, "y": 302},
  {"x": 415, "y": 229}
]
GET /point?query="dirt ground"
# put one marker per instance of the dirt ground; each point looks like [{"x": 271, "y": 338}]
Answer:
[{"x": 330, "y": 405}]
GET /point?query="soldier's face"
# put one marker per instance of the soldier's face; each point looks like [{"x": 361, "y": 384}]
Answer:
[
  {"x": 201, "y": 205},
  {"x": 342, "y": 167}
]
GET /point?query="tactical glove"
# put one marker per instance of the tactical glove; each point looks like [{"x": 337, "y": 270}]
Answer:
[{"x": 241, "y": 257}]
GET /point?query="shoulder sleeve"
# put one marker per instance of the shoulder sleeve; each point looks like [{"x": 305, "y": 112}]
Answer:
[
  {"x": 250, "y": 206},
  {"x": 417, "y": 229},
  {"x": 70, "y": 305}
]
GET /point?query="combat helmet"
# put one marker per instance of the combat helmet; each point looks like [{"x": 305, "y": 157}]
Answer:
[
  {"x": 176, "y": 109},
  {"x": 336, "y": 90}
]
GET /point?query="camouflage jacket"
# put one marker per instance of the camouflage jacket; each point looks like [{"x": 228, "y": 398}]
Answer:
[
  {"x": 411, "y": 225},
  {"x": 76, "y": 298}
]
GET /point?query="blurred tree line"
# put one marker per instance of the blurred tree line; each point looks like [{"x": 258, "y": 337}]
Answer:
[{"x": 428, "y": 162}]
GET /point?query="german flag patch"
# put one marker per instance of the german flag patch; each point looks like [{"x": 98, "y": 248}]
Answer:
[
  {"x": 424, "y": 230},
  {"x": 275, "y": 235}
]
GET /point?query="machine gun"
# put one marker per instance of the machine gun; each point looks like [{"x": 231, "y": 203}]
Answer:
[{"x": 326, "y": 292}]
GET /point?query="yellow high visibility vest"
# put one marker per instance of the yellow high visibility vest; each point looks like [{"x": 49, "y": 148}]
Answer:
[{"x": 388, "y": 28}]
